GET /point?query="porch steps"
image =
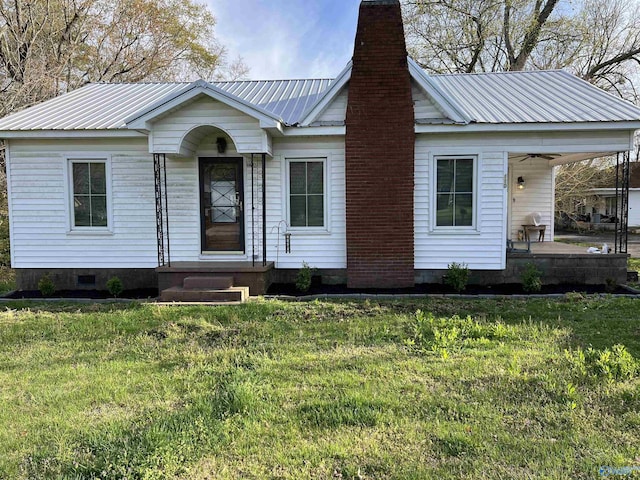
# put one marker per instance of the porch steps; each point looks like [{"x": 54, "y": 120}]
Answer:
[{"x": 218, "y": 289}]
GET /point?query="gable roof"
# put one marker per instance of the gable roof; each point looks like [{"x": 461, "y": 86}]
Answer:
[
  {"x": 197, "y": 89},
  {"x": 490, "y": 98}
]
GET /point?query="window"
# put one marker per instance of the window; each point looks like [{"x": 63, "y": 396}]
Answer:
[
  {"x": 89, "y": 193},
  {"x": 454, "y": 191},
  {"x": 306, "y": 193}
]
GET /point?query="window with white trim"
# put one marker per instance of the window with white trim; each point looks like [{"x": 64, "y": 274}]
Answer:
[
  {"x": 89, "y": 209},
  {"x": 455, "y": 199},
  {"x": 306, "y": 194}
]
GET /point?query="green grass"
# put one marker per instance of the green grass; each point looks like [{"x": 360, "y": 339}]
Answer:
[{"x": 406, "y": 389}]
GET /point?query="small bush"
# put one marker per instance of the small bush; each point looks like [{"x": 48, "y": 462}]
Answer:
[
  {"x": 610, "y": 285},
  {"x": 303, "y": 279},
  {"x": 46, "y": 286},
  {"x": 114, "y": 286},
  {"x": 457, "y": 276},
  {"x": 531, "y": 278}
]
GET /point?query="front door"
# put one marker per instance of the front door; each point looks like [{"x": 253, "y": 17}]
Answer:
[{"x": 221, "y": 205}]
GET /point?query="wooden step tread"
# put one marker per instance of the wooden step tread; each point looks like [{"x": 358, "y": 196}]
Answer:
[
  {"x": 180, "y": 294},
  {"x": 218, "y": 282}
]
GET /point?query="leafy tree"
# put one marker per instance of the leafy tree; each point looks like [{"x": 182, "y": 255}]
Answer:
[
  {"x": 598, "y": 41},
  {"x": 48, "y": 47},
  {"x": 575, "y": 181}
]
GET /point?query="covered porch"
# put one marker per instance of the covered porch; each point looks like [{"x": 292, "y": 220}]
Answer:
[
  {"x": 210, "y": 153},
  {"x": 531, "y": 206}
]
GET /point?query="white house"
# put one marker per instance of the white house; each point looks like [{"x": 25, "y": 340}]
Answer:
[{"x": 380, "y": 177}]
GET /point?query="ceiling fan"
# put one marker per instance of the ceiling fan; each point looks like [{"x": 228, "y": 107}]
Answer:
[{"x": 530, "y": 156}]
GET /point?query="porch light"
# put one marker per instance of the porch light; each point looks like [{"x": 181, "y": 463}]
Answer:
[
  {"x": 521, "y": 183},
  {"x": 221, "y": 143}
]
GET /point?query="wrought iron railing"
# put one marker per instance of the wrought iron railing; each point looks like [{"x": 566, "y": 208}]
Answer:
[
  {"x": 162, "y": 210},
  {"x": 622, "y": 203}
]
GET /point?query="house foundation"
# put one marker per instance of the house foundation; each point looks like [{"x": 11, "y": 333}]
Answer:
[{"x": 86, "y": 278}]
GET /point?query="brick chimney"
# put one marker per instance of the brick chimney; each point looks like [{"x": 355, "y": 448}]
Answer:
[{"x": 380, "y": 145}]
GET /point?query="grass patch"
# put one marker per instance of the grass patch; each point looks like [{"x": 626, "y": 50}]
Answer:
[{"x": 434, "y": 388}]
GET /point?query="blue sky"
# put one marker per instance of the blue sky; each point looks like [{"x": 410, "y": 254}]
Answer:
[{"x": 282, "y": 39}]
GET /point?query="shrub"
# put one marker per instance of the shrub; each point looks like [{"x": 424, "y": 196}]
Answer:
[
  {"x": 303, "y": 278},
  {"x": 46, "y": 286},
  {"x": 531, "y": 278},
  {"x": 114, "y": 285},
  {"x": 610, "y": 285},
  {"x": 457, "y": 276}
]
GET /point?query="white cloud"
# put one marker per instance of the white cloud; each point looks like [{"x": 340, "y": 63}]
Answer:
[{"x": 288, "y": 38}]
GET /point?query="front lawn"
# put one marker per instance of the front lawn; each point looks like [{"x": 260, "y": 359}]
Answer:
[{"x": 407, "y": 389}]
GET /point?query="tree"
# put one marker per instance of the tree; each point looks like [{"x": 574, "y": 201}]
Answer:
[
  {"x": 598, "y": 41},
  {"x": 575, "y": 181},
  {"x": 48, "y": 47}
]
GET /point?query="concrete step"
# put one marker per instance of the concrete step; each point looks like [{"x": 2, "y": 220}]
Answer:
[
  {"x": 207, "y": 283},
  {"x": 179, "y": 294}
]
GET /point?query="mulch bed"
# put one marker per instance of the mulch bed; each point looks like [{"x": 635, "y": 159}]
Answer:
[
  {"x": 439, "y": 289},
  {"x": 287, "y": 289},
  {"x": 137, "y": 294}
]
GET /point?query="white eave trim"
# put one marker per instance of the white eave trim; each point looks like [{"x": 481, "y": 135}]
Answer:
[
  {"x": 529, "y": 127},
  {"x": 141, "y": 120},
  {"x": 315, "y": 131},
  {"x": 327, "y": 97},
  {"x": 62, "y": 134},
  {"x": 447, "y": 104}
]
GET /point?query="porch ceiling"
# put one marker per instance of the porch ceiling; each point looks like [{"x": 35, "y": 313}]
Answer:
[{"x": 556, "y": 158}]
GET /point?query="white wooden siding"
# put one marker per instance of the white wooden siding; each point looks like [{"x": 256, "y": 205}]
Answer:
[
  {"x": 39, "y": 201},
  {"x": 168, "y": 133},
  {"x": 336, "y": 111},
  {"x": 40, "y": 209},
  {"x": 537, "y": 197},
  {"x": 423, "y": 106},
  {"x": 320, "y": 249},
  {"x": 482, "y": 249}
]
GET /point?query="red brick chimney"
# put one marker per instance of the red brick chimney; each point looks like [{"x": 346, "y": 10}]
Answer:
[{"x": 380, "y": 143}]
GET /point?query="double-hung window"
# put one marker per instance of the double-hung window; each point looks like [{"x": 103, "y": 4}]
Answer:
[
  {"x": 306, "y": 193},
  {"x": 455, "y": 202},
  {"x": 88, "y": 194}
]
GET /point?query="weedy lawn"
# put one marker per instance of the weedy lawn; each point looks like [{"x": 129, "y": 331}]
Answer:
[{"x": 438, "y": 388}]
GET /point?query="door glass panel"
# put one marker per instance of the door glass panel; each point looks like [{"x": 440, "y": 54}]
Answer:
[{"x": 221, "y": 199}]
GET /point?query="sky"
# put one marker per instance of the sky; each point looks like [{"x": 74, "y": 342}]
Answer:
[{"x": 286, "y": 39}]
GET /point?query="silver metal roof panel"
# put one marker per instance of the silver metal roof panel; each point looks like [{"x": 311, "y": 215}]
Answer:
[
  {"x": 534, "y": 97},
  {"x": 490, "y": 98}
]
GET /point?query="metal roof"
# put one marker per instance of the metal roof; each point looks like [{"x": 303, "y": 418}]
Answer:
[
  {"x": 495, "y": 98},
  {"x": 100, "y": 106},
  {"x": 534, "y": 97}
]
